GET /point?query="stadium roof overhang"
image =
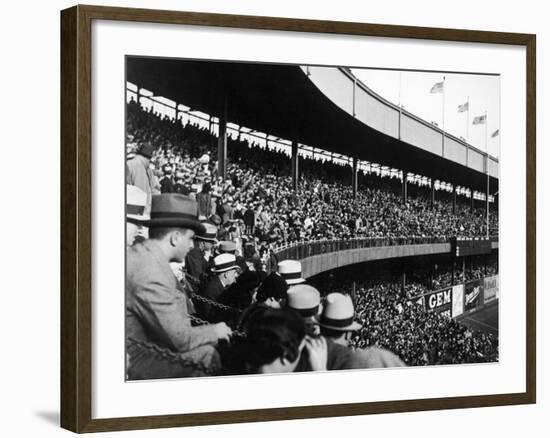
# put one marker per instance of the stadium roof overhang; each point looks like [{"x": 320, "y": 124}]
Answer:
[{"x": 281, "y": 100}]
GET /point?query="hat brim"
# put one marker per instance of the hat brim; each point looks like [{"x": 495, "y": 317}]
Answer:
[
  {"x": 136, "y": 218},
  {"x": 219, "y": 271},
  {"x": 294, "y": 281},
  {"x": 169, "y": 222},
  {"x": 354, "y": 326},
  {"x": 206, "y": 239}
]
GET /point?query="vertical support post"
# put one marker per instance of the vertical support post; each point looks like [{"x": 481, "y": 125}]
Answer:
[
  {"x": 454, "y": 198},
  {"x": 354, "y": 177},
  {"x": 294, "y": 165},
  {"x": 453, "y": 271},
  {"x": 403, "y": 282},
  {"x": 471, "y": 200},
  {"x": 222, "y": 141},
  {"x": 432, "y": 200},
  {"x": 487, "y": 203},
  {"x": 404, "y": 185}
]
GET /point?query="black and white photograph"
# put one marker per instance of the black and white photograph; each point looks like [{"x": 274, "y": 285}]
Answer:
[{"x": 289, "y": 218}]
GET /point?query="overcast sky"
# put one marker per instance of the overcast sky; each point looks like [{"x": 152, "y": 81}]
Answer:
[{"x": 483, "y": 92}]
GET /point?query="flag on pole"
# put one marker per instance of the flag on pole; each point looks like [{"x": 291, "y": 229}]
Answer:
[
  {"x": 480, "y": 120},
  {"x": 494, "y": 134},
  {"x": 463, "y": 107},
  {"x": 437, "y": 88}
]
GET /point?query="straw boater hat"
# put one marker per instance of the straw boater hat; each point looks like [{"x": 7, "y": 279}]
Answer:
[
  {"x": 224, "y": 262},
  {"x": 338, "y": 314},
  {"x": 291, "y": 271},
  {"x": 174, "y": 210},
  {"x": 227, "y": 246},
  {"x": 136, "y": 200},
  {"x": 305, "y": 299},
  {"x": 210, "y": 233}
]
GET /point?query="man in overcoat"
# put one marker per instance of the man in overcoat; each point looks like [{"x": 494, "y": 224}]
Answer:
[{"x": 157, "y": 308}]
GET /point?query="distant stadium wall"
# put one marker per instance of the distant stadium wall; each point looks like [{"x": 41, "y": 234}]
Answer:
[
  {"x": 461, "y": 299},
  {"x": 316, "y": 264}
]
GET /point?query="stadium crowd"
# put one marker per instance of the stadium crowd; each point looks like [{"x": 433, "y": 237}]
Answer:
[
  {"x": 257, "y": 192},
  {"x": 232, "y": 306}
]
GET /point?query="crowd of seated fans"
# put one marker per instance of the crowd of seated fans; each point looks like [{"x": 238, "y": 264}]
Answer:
[
  {"x": 257, "y": 193},
  {"x": 393, "y": 319}
]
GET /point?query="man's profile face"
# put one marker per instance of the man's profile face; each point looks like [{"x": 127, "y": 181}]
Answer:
[
  {"x": 208, "y": 245},
  {"x": 231, "y": 276},
  {"x": 183, "y": 242}
]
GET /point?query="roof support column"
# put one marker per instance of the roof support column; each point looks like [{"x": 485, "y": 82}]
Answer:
[
  {"x": 454, "y": 198},
  {"x": 432, "y": 198},
  {"x": 471, "y": 200},
  {"x": 354, "y": 178},
  {"x": 222, "y": 142},
  {"x": 404, "y": 185},
  {"x": 487, "y": 205},
  {"x": 294, "y": 165}
]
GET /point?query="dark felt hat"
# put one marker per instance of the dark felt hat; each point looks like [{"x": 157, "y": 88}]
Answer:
[
  {"x": 174, "y": 210},
  {"x": 146, "y": 149}
]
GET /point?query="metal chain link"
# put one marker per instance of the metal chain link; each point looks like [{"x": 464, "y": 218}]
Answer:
[
  {"x": 213, "y": 303},
  {"x": 170, "y": 355}
]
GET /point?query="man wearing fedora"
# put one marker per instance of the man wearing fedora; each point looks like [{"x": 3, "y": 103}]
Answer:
[
  {"x": 225, "y": 273},
  {"x": 291, "y": 271},
  {"x": 140, "y": 173},
  {"x": 198, "y": 261},
  {"x": 230, "y": 247},
  {"x": 337, "y": 325},
  {"x": 157, "y": 308}
]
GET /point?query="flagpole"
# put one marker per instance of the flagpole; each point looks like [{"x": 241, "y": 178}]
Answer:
[
  {"x": 443, "y": 119},
  {"x": 443, "y": 107},
  {"x": 487, "y": 171},
  {"x": 467, "y": 118},
  {"x": 400, "y": 109}
]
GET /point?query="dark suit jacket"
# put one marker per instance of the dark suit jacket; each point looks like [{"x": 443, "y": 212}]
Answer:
[
  {"x": 196, "y": 265},
  {"x": 212, "y": 289},
  {"x": 340, "y": 357},
  {"x": 156, "y": 309}
]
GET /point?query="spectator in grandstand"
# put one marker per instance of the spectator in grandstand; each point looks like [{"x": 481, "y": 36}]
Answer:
[
  {"x": 274, "y": 343},
  {"x": 205, "y": 202},
  {"x": 225, "y": 273},
  {"x": 136, "y": 200},
  {"x": 337, "y": 325},
  {"x": 249, "y": 217},
  {"x": 229, "y": 247},
  {"x": 198, "y": 261},
  {"x": 273, "y": 291},
  {"x": 241, "y": 293},
  {"x": 167, "y": 184},
  {"x": 336, "y": 320},
  {"x": 306, "y": 300},
  {"x": 140, "y": 173},
  {"x": 291, "y": 272},
  {"x": 157, "y": 308}
]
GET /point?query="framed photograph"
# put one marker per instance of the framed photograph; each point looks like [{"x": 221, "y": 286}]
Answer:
[{"x": 267, "y": 219}]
